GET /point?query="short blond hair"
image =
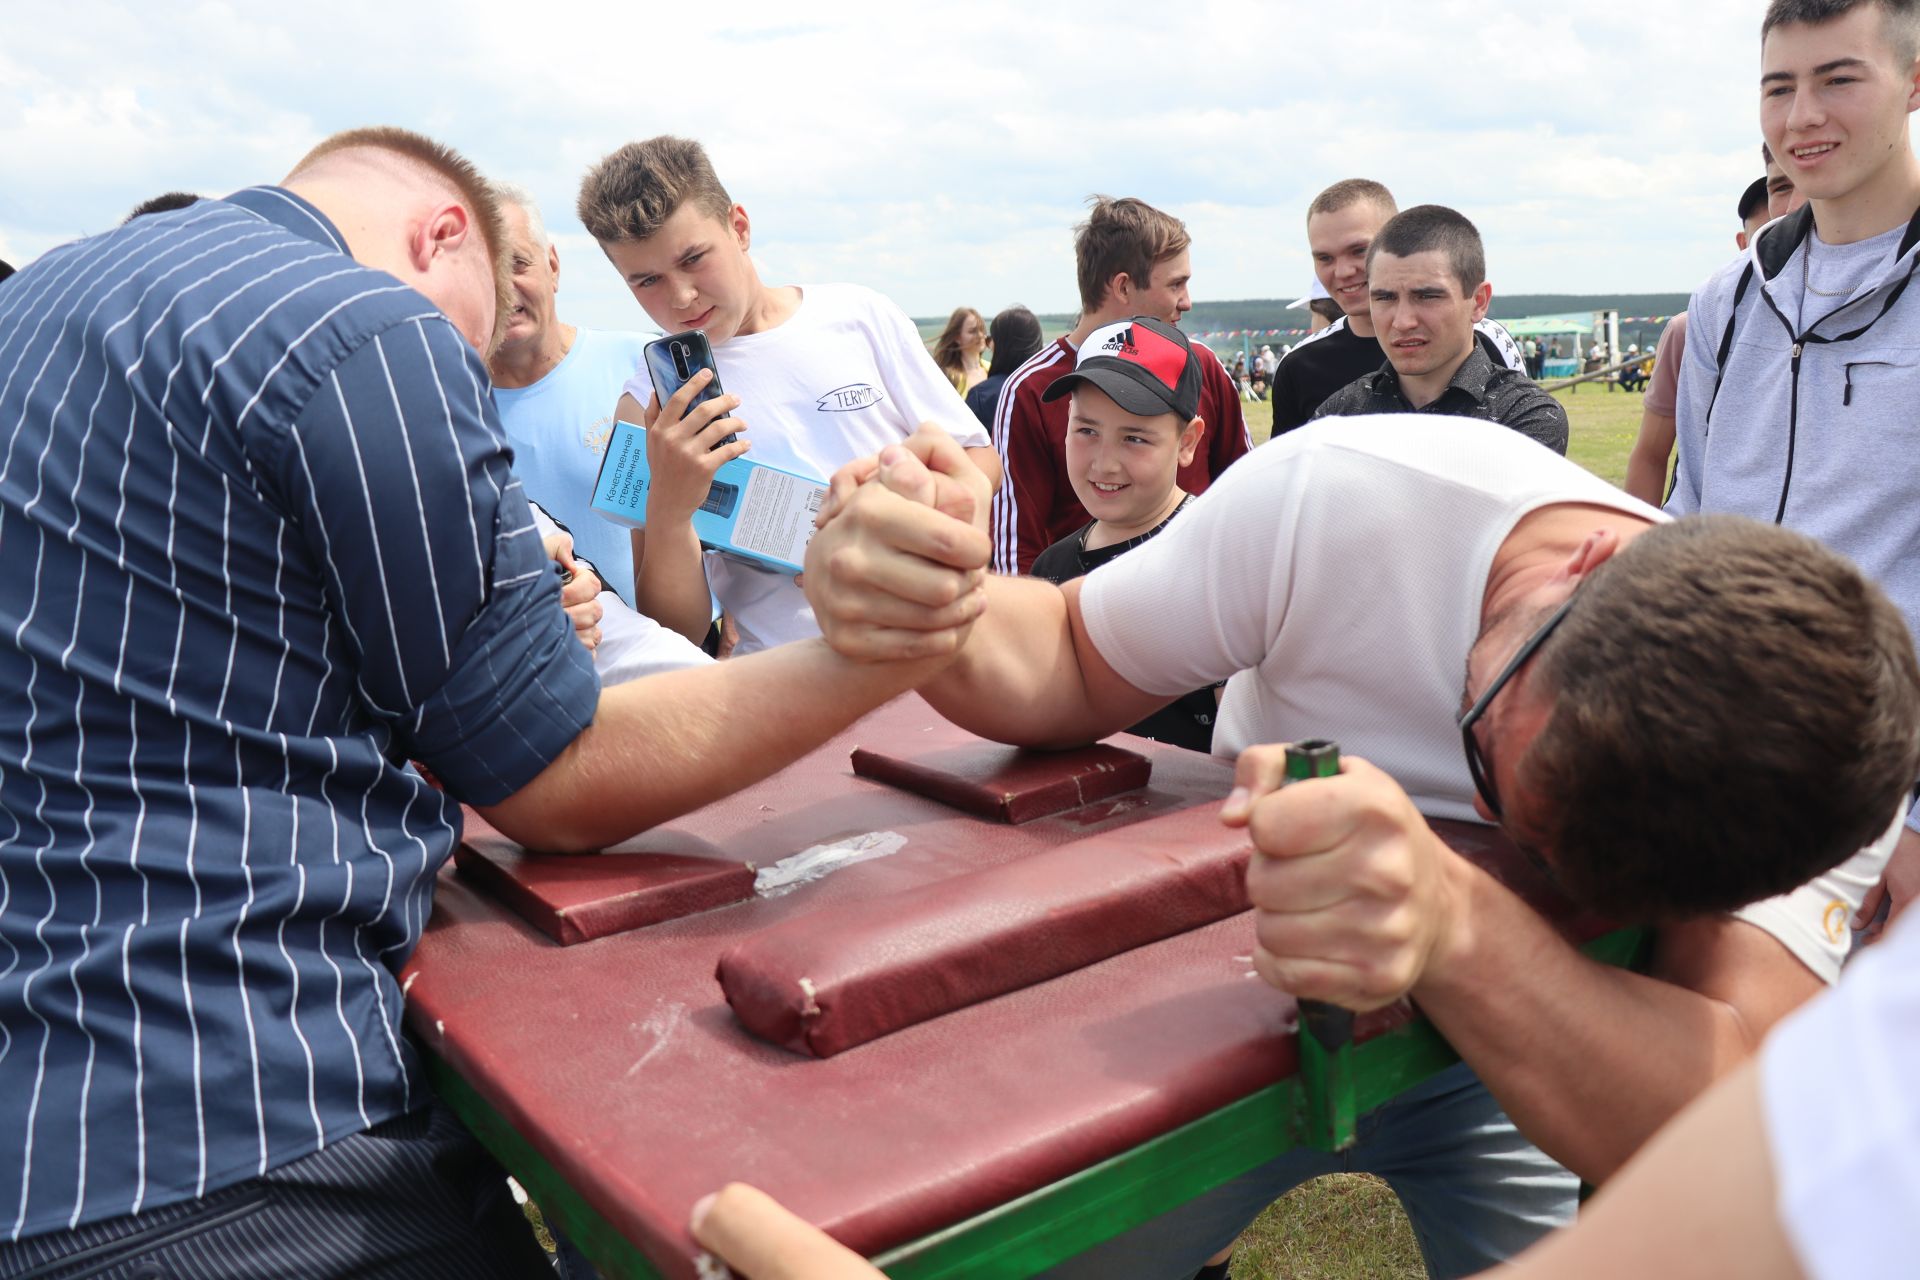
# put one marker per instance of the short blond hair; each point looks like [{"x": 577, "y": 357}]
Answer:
[
  {"x": 453, "y": 170},
  {"x": 1351, "y": 191},
  {"x": 630, "y": 194}
]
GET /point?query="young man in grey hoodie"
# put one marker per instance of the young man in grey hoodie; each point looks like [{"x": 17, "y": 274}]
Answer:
[{"x": 1797, "y": 395}]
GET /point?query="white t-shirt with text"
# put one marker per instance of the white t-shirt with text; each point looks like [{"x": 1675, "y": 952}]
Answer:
[{"x": 843, "y": 377}]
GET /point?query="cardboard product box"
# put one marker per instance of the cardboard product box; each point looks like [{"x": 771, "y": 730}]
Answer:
[{"x": 756, "y": 512}]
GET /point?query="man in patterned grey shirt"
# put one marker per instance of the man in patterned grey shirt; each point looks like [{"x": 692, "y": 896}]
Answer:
[{"x": 1427, "y": 288}]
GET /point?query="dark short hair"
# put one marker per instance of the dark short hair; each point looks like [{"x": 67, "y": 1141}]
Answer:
[
  {"x": 1753, "y": 198},
  {"x": 1900, "y": 19},
  {"x": 1351, "y": 191},
  {"x": 1016, "y": 337},
  {"x": 1736, "y": 709},
  {"x": 1325, "y": 308},
  {"x": 1428, "y": 227},
  {"x": 166, "y": 203},
  {"x": 630, "y": 194},
  {"x": 1124, "y": 236}
]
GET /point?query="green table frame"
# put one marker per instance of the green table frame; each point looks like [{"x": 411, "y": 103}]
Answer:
[{"x": 1057, "y": 1221}]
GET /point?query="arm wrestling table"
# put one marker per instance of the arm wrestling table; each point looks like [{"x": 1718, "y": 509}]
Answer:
[{"x": 612, "y": 1079}]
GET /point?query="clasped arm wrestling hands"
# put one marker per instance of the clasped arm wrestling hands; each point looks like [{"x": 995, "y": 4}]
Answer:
[{"x": 897, "y": 567}]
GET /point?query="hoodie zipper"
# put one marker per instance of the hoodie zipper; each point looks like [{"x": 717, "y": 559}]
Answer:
[
  {"x": 1757, "y": 267},
  {"x": 1793, "y": 430}
]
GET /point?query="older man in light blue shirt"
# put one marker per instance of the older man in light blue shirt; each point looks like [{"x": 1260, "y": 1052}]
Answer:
[{"x": 555, "y": 385}]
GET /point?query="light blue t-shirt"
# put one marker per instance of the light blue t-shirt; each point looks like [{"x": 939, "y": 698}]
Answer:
[{"x": 559, "y": 428}]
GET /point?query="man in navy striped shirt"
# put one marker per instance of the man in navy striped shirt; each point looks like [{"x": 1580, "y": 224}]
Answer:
[{"x": 260, "y": 544}]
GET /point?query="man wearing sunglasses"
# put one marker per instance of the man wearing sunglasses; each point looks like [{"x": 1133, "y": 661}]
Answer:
[{"x": 1678, "y": 719}]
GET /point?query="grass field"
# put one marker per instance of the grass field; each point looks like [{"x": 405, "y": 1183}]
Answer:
[
  {"x": 1603, "y": 427},
  {"x": 1350, "y": 1227}
]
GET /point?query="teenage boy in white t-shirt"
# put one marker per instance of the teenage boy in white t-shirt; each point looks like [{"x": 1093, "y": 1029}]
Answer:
[
  {"x": 1680, "y": 717},
  {"x": 815, "y": 377},
  {"x": 1134, "y": 422}
]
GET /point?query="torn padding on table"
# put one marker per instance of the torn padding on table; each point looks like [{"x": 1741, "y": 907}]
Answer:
[{"x": 826, "y": 981}]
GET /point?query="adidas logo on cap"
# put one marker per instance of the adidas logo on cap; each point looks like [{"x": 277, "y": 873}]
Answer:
[{"x": 1153, "y": 362}]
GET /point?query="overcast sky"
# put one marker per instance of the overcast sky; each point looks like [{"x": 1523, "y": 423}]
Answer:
[{"x": 938, "y": 153}]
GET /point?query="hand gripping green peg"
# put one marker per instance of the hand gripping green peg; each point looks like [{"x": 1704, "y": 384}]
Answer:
[{"x": 1326, "y": 1030}]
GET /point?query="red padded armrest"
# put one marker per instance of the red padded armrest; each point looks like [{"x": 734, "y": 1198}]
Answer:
[
  {"x": 846, "y": 974},
  {"x": 1007, "y": 784},
  {"x": 577, "y": 898}
]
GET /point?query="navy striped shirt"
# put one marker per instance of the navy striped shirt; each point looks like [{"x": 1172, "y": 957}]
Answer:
[{"x": 260, "y": 540}]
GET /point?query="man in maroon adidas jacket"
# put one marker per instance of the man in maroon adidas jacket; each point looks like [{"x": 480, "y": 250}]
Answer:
[{"x": 1132, "y": 261}]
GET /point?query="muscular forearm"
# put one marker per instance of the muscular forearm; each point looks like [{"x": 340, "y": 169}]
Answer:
[
  {"x": 1021, "y": 676},
  {"x": 1588, "y": 1060},
  {"x": 668, "y": 744},
  {"x": 670, "y": 580}
]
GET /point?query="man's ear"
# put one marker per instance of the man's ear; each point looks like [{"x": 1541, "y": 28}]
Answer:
[
  {"x": 1740, "y": 241},
  {"x": 1190, "y": 438},
  {"x": 1481, "y": 297},
  {"x": 1120, "y": 290},
  {"x": 444, "y": 230},
  {"x": 1594, "y": 550},
  {"x": 742, "y": 227},
  {"x": 553, "y": 266}
]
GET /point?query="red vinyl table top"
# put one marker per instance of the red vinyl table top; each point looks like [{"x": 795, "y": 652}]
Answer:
[{"x": 620, "y": 1061}]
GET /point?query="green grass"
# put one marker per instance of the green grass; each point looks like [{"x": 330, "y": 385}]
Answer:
[
  {"x": 1345, "y": 1226},
  {"x": 1350, "y": 1226},
  {"x": 1602, "y": 427},
  {"x": 1604, "y": 424}
]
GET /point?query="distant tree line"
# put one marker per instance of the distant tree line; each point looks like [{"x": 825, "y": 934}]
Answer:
[{"x": 1272, "y": 313}]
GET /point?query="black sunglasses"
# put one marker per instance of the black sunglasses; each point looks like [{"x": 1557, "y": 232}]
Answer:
[{"x": 1477, "y": 764}]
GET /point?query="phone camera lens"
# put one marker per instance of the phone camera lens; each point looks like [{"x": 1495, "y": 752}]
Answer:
[{"x": 680, "y": 364}]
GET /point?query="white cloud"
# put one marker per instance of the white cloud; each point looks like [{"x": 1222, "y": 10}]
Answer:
[{"x": 941, "y": 156}]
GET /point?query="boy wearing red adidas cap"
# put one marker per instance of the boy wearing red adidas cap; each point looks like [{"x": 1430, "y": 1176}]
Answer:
[{"x": 1133, "y": 424}]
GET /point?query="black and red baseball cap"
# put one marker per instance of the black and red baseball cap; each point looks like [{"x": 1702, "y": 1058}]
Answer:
[{"x": 1146, "y": 366}]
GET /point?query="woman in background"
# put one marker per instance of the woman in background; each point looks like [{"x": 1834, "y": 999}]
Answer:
[{"x": 960, "y": 349}]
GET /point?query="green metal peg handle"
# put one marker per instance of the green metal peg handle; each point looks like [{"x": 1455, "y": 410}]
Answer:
[{"x": 1326, "y": 1030}]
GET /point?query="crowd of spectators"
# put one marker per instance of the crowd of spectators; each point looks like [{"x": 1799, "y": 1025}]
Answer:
[{"x": 298, "y": 557}]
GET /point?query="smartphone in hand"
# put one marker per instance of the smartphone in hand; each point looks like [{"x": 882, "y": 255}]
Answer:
[{"x": 674, "y": 359}]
